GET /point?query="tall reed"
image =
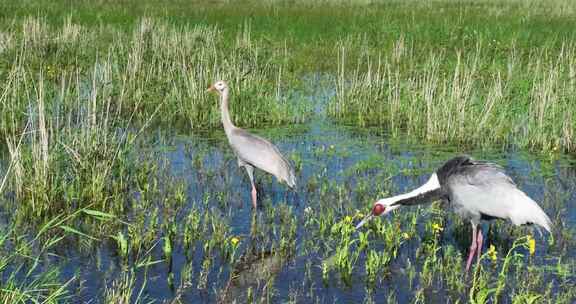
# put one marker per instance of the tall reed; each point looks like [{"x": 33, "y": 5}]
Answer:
[{"x": 463, "y": 97}]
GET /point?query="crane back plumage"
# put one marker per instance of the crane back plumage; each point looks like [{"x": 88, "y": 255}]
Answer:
[
  {"x": 480, "y": 190},
  {"x": 253, "y": 150},
  {"x": 476, "y": 190},
  {"x": 260, "y": 153}
]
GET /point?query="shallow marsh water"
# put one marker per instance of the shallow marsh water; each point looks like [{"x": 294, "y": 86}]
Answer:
[
  {"x": 354, "y": 159},
  {"x": 340, "y": 171}
]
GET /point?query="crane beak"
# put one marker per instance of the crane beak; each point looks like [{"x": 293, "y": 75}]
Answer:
[
  {"x": 210, "y": 89},
  {"x": 364, "y": 221}
]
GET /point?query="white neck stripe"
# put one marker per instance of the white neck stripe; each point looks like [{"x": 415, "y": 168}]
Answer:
[{"x": 431, "y": 185}]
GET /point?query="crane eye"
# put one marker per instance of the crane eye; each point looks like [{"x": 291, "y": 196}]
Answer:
[{"x": 378, "y": 209}]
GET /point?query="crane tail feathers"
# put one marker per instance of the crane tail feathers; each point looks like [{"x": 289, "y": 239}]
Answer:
[
  {"x": 291, "y": 179},
  {"x": 531, "y": 213},
  {"x": 544, "y": 221}
]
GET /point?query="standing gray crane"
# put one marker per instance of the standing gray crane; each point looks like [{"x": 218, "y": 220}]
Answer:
[
  {"x": 251, "y": 150},
  {"x": 476, "y": 190}
]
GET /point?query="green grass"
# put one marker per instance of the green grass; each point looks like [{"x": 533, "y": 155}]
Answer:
[
  {"x": 488, "y": 73},
  {"x": 92, "y": 93},
  {"x": 155, "y": 67},
  {"x": 523, "y": 100}
]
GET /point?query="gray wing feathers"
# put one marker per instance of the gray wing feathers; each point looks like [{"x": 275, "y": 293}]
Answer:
[
  {"x": 485, "y": 188},
  {"x": 263, "y": 155},
  {"x": 484, "y": 173}
]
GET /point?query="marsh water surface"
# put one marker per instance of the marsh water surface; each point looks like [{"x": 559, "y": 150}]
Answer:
[{"x": 280, "y": 248}]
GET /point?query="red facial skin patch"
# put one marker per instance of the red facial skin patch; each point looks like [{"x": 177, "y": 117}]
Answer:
[{"x": 378, "y": 209}]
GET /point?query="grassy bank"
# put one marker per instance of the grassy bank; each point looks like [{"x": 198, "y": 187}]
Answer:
[
  {"x": 154, "y": 68},
  {"x": 487, "y": 95},
  {"x": 482, "y": 73},
  {"x": 490, "y": 75}
]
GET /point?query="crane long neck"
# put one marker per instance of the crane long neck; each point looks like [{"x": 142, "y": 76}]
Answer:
[
  {"x": 226, "y": 121},
  {"x": 429, "y": 191}
]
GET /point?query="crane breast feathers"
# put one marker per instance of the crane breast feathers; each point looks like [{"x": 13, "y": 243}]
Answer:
[{"x": 263, "y": 155}]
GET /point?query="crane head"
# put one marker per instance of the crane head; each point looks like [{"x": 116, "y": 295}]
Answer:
[
  {"x": 219, "y": 86},
  {"x": 378, "y": 209},
  {"x": 381, "y": 207}
]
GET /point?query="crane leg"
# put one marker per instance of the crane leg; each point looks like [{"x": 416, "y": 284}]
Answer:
[
  {"x": 250, "y": 171},
  {"x": 254, "y": 197},
  {"x": 479, "y": 240},
  {"x": 473, "y": 247}
]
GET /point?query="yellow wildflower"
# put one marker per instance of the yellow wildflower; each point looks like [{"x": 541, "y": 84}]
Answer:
[
  {"x": 348, "y": 219},
  {"x": 234, "y": 241},
  {"x": 492, "y": 253},
  {"x": 436, "y": 228},
  {"x": 405, "y": 236},
  {"x": 531, "y": 245},
  {"x": 50, "y": 71}
]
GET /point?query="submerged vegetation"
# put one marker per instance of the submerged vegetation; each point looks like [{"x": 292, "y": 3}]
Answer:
[{"x": 102, "y": 197}]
